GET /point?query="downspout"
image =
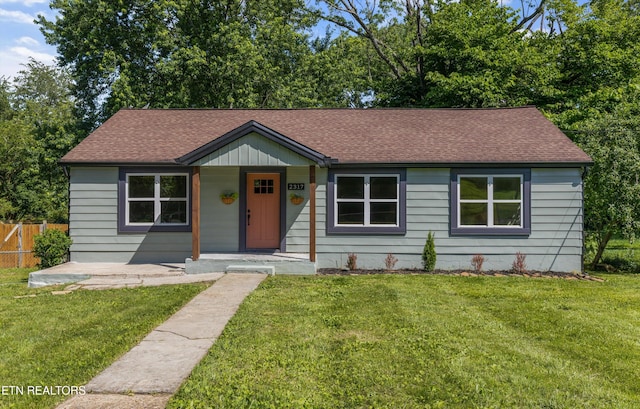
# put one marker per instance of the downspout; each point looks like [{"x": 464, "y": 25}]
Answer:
[{"x": 585, "y": 171}]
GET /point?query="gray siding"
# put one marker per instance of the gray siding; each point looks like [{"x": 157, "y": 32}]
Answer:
[
  {"x": 219, "y": 227},
  {"x": 555, "y": 242},
  {"x": 253, "y": 150},
  {"x": 297, "y": 225},
  {"x": 93, "y": 224}
]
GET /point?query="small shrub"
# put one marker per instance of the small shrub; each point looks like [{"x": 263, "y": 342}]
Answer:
[
  {"x": 352, "y": 259},
  {"x": 51, "y": 247},
  {"x": 476, "y": 262},
  {"x": 519, "y": 265},
  {"x": 390, "y": 261},
  {"x": 429, "y": 253}
]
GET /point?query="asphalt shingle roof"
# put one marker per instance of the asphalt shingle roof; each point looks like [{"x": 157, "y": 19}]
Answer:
[{"x": 403, "y": 136}]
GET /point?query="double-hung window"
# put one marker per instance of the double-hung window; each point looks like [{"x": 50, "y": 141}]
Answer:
[
  {"x": 154, "y": 201},
  {"x": 367, "y": 202},
  {"x": 490, "y": 202}
]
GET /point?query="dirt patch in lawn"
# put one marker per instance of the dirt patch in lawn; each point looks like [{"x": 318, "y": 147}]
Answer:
[{"x": 465, "y": 273}]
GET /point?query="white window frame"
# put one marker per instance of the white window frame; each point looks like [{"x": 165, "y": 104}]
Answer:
[
  {"x": 366, "y": 199},
  {"x": 156, "y": 199},
  {"x": 490, "y": 201}
]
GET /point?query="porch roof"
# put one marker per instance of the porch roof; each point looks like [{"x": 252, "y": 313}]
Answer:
[{"x": 335, "y": 136}]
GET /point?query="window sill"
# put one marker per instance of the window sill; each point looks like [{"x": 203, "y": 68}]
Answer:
[
  {"x": 489, "y": 231},
  {"x": 154, "y": 228},
  {"x": 395, "y": 230}
]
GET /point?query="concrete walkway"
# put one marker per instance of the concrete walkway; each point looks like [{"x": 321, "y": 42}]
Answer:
[
  {"x": 99, "y": 276},
  {"x": 147, "y": 376}
]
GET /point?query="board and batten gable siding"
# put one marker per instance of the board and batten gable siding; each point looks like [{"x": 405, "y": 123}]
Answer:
[
  {"x": 253, "y": 150},
  {"x": 555, "y": 242},
  {"x": 93, "y": 224}
]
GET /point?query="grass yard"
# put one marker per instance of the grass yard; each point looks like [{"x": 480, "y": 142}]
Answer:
[
  {"x": 623, "y": 255},
  {"x": 65, "y": 340},
  {"x": 425, "y": 341}
]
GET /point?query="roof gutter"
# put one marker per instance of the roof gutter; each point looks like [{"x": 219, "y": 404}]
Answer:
[{"x": 581, "y": 164}]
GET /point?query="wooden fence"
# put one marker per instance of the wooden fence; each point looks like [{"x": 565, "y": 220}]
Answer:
[{"x": 16, "y": 243}]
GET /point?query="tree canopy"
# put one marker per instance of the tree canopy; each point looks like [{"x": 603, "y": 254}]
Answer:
[
  {"x": 578, "y": 62},
  {"x": 37, "y": 127},
  {"x": 185, "y": 53}
]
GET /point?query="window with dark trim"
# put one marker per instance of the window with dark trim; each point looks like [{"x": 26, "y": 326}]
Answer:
[
  {"x": 362, "y": 201},
  {"x": 154, "y": 200},
  {"x": 490, "y": 201}
]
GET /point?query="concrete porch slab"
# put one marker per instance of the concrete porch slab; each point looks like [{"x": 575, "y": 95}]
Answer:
[
  {"x": 115, "y": 275},
  {"x": 271, "y": 263}
]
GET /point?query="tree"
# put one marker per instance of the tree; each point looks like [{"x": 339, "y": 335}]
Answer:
[
  {"x": 16, "y": 144},
  {"x": 37, "y": 127},
  {"x": 211, "y": 53},
  {"x": 612, "y": 184},
  {"x": 457, "y": 53},
  {"x": 599, "y": 65},
  {"x": 598, "y": 108}
]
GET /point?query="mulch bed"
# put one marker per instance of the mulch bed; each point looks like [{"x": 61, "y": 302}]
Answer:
[{"x": 466, "y": 273}]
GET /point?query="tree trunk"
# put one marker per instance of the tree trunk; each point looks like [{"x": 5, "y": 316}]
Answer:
[{"x": 601, "y": 246}]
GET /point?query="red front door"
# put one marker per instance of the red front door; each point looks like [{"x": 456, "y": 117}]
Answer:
[{"x": 263, "y": 211}]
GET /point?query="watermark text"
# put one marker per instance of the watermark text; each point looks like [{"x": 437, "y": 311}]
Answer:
[{"x": 40, "y": 390}]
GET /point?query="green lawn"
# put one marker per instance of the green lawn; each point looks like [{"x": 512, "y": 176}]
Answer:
[
  {"x": 65, "y": 340},
  {"x": 623, "y": 255},
  {"x": 426, "y": 341}
]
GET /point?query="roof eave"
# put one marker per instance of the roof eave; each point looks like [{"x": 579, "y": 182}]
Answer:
[
  {"x": 118, "y": 163},
  {"x": 454, "y": 164}
]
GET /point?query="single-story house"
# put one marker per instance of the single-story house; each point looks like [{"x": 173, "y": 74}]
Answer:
[{"x": 148, "y": 186}]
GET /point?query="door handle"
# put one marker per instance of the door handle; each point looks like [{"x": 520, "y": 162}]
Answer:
[{"x": 248, "y": 217}]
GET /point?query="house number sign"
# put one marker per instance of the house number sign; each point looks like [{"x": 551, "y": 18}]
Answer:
[{"x": 295, "y": 186}]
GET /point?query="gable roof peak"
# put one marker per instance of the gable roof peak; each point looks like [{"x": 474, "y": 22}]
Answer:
[{"x": 245, "y": 129}]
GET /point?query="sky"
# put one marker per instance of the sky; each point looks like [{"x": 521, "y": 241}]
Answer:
[{"x": 20, "y": 37}]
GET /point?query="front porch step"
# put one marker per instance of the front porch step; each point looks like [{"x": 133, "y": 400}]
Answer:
[
  {"x": 277, "y": 263},
  {"x": 271, "y": 270}
]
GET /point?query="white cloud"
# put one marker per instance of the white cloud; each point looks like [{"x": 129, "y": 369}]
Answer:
[
  {"x": 16, "y": 16},
  {"x": 13, "y": 59},
  {"x": 25, "y": 53},
  {"x": 26, "y": 40}
]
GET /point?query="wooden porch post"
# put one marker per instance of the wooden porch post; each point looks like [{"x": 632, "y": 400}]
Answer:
[
  {"x": 195, "y": 214},
  {"x": 312, "y": 213}
]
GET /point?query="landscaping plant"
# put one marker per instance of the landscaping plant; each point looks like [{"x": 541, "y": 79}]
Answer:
[
  {"x": 52, "y": 247},
  {"x": 352, "y": 259},
  {"x": 429, "y": 253},
  {"x": 390, "y": 261},
  {"x": 519, "y": 266},
  {"x": 476, "y": 262}
]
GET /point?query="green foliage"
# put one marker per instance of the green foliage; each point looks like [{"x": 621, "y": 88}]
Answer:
[
  {"x": 429, "y": 253},
  {"x": 37, "y": 127},
  {"x": 621, "y": 255},
  {"x": 611, "y": 184},
  {"x": 231, "y": 54},
  {"x": 51, "y": 247}
]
